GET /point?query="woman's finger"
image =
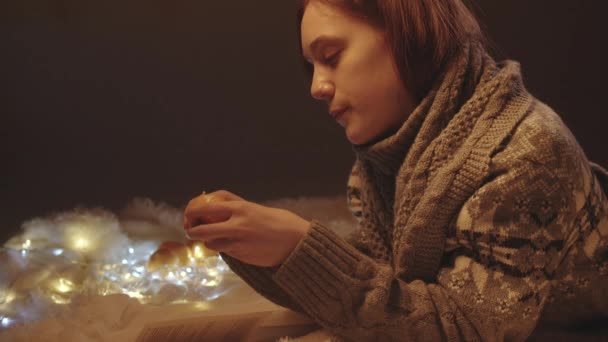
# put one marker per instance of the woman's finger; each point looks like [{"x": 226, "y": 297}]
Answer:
[
  {"x": 193, "y": 215},
  {"x": 221, "y": 244},
  {"x": 224, "y": 195},
  {"x": 208, "y": 213},
  {"x": 212, "y": 231},
  {"x": 214, "y": 206}
]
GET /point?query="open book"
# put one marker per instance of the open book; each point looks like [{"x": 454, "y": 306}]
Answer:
[{"x": 252, "y": 326}]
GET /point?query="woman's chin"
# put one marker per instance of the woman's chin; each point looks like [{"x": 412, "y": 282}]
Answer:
[{"x": 355, "y": 137}]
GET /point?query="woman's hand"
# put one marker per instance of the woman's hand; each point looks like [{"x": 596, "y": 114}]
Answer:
[{"x": 250, "y": 232}]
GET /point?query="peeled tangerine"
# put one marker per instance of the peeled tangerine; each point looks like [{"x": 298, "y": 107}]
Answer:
[{"x": 178, "y": 254}]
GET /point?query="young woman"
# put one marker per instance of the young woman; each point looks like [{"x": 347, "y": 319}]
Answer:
[{"x": 480, "y": 216}]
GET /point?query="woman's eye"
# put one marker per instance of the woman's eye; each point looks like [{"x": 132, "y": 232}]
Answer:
[{"x": 332, "y": 59}]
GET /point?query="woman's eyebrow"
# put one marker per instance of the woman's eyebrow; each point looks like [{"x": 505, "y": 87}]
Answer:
[{"x": 318, "y": 43}]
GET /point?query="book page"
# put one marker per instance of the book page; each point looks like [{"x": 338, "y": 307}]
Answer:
[{"x": 250, "y": 327}]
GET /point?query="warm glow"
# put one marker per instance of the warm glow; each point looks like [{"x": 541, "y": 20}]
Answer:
[
  {"x": 8, "y": 296},
  {"x": 210, "y": 283},
  {"x": 134, "y": 294},
  {"x": 199, "y": 277},
  {"x": 5, "y": 321},
  {"x": 57, "y": 260},
  {"x": 60, "y": 300},
  {"x": 202, "y": 305},
  {"x": 81, "y": 243},
  {"x": 63, "y": 285},
  {"x": 198, "y": 252}
]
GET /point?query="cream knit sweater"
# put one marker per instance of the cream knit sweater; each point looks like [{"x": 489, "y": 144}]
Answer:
[{"x": 479, "y": 218}]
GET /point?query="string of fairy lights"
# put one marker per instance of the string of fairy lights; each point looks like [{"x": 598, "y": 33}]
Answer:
[{"x": 40, "y": 269}]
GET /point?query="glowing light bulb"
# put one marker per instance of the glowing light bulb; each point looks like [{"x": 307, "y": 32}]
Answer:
[
  {"x": 81, "y": 243},
  {"x": 198, "y": 252},
  {"x": 211, "y": 283},
  {"x": 27, "y": 244},
  {"x": 5, "y": 321},
  {"x": 63, "y": 285},
  {"x": 8, "y": 295},
  {"x": 133, "y": 294},
  {"x": 59, "y": 300}
]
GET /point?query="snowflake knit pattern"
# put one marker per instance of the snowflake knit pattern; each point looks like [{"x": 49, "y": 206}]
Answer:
[{"x": 479, "y": 219}]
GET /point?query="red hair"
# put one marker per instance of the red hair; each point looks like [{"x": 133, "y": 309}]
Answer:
[{"x": 423, "y": 35}]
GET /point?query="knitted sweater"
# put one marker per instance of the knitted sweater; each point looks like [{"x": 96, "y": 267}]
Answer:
[{"x": 478, "y": 218}]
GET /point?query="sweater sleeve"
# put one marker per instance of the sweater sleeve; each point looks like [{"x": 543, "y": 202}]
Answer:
[
  {"x": 261, "y": 280},
  {"x": 509, "y": 237}
]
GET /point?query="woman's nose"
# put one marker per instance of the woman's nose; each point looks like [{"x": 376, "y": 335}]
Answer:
[{"x": 322, "y": 88}]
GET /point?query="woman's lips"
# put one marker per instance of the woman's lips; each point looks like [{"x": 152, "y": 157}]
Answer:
[{"x": 337, "y": 113}]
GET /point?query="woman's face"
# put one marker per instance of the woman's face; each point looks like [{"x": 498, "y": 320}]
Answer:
[{"x": 354, "y": 73}]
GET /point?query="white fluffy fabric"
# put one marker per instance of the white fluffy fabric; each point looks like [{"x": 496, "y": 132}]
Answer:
[{"x": 118, "y": 317}]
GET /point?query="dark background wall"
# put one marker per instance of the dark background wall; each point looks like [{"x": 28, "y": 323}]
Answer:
[{"x": 102, "y": 101}]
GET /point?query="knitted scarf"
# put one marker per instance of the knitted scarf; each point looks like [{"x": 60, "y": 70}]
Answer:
[{"x": 405, "y": 178}]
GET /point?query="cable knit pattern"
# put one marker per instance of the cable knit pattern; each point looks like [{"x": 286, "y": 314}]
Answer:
[{"x": 478, "y": 219}]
